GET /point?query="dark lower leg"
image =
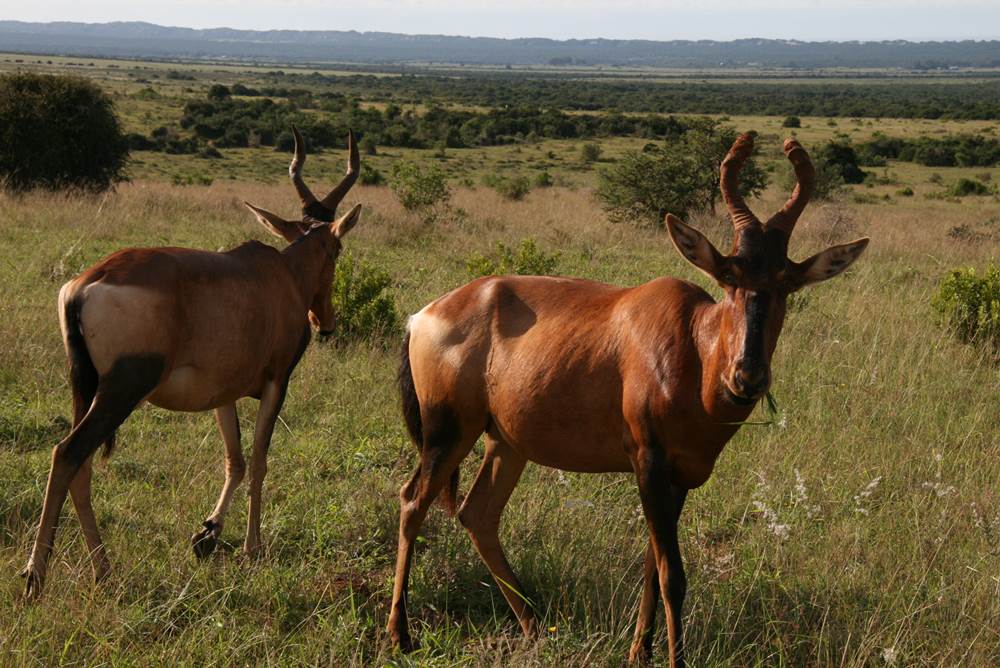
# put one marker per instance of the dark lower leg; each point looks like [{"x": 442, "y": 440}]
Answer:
[
  {"x": 79, "y": 490},
  {"x": 645, "y": 627}
]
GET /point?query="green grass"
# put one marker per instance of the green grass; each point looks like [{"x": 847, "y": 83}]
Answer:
[{"x": 863, "y": 525}]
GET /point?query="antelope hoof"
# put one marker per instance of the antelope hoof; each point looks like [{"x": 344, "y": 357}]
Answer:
[
  {"x": 204, "y": 542},
  {"x": 403, "y": 641},
  {"x": 33, "y": 580},
  {"x": 101, "y": 572},
  {"x": 639, "y": 655}
]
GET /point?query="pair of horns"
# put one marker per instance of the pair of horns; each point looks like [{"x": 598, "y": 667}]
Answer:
[
  {"x": 325, "y": 209},
  {"x": 739, "y": 212}
]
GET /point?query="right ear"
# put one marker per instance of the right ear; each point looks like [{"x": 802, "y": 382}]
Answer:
[
  {"x": 346, "y": 222},
  {"x": 276, "y": 225},
  {"x": 695, "y": 247}
]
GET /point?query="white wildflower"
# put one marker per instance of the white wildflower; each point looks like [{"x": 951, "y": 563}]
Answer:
[
  {"x": 862, "y": 497},
  {"x": 889, "y": 655},
  {"x": 800, "y": 497}
]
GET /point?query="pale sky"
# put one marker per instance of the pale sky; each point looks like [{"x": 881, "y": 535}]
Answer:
[{"x": 560, "y": 19}]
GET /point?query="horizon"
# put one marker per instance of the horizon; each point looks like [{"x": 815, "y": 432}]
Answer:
[{"x": 821, "y": 21}]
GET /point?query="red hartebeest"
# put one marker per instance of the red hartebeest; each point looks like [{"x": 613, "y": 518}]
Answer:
[
  {"x": 588, "y": 377},
  {"x": 191, "y": 330}
]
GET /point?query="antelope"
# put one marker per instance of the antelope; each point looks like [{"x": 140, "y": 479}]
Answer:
[
  {"x": 191, "y": 330},
  {"x": 581, "y": 376}
]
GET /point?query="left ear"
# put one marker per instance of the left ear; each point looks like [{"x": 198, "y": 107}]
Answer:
[
  {"x": 828, "y": 263},
  {"x": 345, "y": 223},
  {"x": 695, "y": 247}
]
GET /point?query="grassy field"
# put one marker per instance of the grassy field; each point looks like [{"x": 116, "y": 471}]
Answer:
[{"x": 860, "y": 528}]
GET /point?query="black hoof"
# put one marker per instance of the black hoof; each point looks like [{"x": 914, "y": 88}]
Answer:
[
  {"x": 32, "y": 584},
  {"x": 205, "y": 541}
]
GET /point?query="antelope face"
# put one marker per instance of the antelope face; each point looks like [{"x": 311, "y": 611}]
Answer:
[
  {"x": 757, "y": 276},
  {"x": 329, "y": 235}
]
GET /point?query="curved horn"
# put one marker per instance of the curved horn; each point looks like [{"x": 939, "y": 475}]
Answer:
[
  {"x": 805, "y": 176},
  {"x": 332, "y": 200},
  {"x": 729, "y": 181},
  {"x": 295, "y": 171}
]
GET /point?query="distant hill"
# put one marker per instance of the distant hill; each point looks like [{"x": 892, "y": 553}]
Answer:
[{"x": 146, "y": 40}]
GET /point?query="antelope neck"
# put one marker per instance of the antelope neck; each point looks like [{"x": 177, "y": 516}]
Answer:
[{"x": 305, "y": 259}]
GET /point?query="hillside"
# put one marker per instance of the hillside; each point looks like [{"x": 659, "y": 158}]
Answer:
[{"x": 136, "y": 39}]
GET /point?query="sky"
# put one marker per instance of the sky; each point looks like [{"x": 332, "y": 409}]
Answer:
[{"x": 559, "y": 19}]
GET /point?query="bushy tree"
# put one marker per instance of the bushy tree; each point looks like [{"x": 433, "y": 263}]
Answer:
[
  {"x": 419, "y": 187},
  {"x": 58, "y": 132},
  {"x": 791, "y": 122},
  {"x": 679, "y": 176}
]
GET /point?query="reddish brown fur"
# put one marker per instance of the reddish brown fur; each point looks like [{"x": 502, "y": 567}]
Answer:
[
  {"x": 189, "y": 330},
  {"x": 583, "y": 376}
]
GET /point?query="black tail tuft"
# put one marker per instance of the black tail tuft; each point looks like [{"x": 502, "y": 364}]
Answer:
[
  {"x": 411, "y": 404},
  {"x": 82, "y": 373}
]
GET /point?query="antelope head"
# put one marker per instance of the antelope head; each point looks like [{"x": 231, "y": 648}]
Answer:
[
  {"x": 758, "y": 275},
  {"x": 318, "y": 223}
]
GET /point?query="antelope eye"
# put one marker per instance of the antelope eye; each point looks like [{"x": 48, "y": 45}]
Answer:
[{"x": 728, "y": 277}]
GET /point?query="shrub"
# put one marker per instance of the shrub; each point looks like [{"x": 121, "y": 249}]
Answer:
[
  {"x": 969, "y": 305},
  {"x": 370, "y": 176},
  {"x": 679, "y": 176},
  {"x": 905, "y": 192},
  {"x": 591, "y": 152},
  {"x": 964, "y": 187},
  {"x": 841, "y": 157},
  {"x": 368, "y": 146},
  {"x": 543, "y": 180},
  {"x": 218, "y": 92},
  {"x": 58, "y": 132},
  {"x": 792, "y": 122},
  {"x": 364, "y": 311},
  {"x": 419, "y": 187},
  {"x": 513, "y": 187},
  {"x": 528, "y": 260}
]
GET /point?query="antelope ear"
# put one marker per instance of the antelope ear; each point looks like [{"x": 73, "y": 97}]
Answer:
[
  {"x": 695, "y": 247},
  {"x": 344, "y": 224},
  {"x": 276, "y": 225},
  {"x": 828, "y": 263}
]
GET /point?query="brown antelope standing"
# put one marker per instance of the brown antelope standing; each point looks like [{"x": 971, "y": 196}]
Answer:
[
  {"x": 582, "y": 376},
  {"x": 191, "y": 330}
]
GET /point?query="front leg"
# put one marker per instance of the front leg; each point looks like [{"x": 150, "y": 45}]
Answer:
[
  {"x": 271, "y": 400},
  {"x": 645, "y": 626},
  {"x": 661, "y": 504}
]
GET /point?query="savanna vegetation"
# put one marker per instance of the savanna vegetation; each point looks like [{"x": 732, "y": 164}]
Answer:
[{"x": 855, "y": 524}]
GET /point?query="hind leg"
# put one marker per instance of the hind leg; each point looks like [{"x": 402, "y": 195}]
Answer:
[
  {"x": 118, "y": 393},
  {"x": 84, "y": 389},
  {"x": 79, "y": 490},
  {"x": 445, "y": 446},
  {"x": 480, "y": 514},
  {"x": 204, "y": 541}
]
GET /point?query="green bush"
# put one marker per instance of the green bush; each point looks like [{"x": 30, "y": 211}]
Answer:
[
  {"x": 969, "y": 305},
  {"x": 364, "y": 311},
  {"x": 543, "y": 180},
  {"x": 370, "y": 176},
  {"x": 905, "y": 192},
  {"x": 591, "y": 152},
  {"x": 512, "y": 187},
  {"x": 679, "y": 176},
  {"x": 527, "y": 260},
  {"x": 58, "y": 132},
  {"x": 419, "y": 187},
  {"x": 964, "y": 187},
  {"x": 792, "y": 122}
]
